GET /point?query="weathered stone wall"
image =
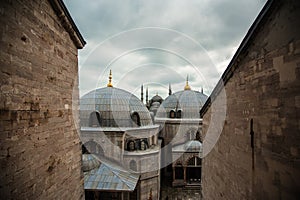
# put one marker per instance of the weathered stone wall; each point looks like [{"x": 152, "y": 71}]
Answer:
[
  {"x": 40, "y": 152},
  {"x": 265, "y": 87},
  {"x": 147, "y": 185}
]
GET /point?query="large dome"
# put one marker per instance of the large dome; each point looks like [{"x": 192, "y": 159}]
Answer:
[
  {"x": 187, "y": 102},
  {"x": 113, "y": 107}
]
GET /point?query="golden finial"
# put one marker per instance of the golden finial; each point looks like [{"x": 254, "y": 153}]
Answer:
[
  {"x": 187, "y": 87},
  {"x": 109, "y": 80}
]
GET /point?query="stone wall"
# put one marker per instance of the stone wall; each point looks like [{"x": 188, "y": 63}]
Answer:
[
  {"x": 40, "y": 152},
  {"x": 147, "y": 186},
  {"x": 264, "y": 87}
]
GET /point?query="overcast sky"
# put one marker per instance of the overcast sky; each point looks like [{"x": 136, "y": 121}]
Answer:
[{"x": 155, "y": 42}]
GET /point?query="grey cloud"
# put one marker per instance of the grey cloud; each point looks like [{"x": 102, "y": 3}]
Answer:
[{"x": 218, "y": 26}]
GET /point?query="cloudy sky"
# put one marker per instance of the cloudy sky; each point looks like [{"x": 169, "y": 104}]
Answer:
[{"x": 155, "y": 43}]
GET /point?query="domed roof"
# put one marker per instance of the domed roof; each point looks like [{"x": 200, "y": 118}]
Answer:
[
  {"x": 188, "y": 101},
  {"x": 157, "y": 98},
  {"x": 114, "y": 108},
  {"x": 193, "y": 145},
  {"x": 89, "y": 162}
]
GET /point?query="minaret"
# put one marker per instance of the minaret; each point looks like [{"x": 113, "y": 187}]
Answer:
[
  {"x": 187, "y": 87},
  {"x": 109, "y": 80},
  {"x": 147, "y": 96},
  {"x": 142, "y": 93},
  {"x": 170, "y": 90}
]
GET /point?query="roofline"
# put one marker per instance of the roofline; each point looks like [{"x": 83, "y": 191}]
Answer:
[
  {"x": 233, "y": 65},
  {"x": 67, "y": 22}
]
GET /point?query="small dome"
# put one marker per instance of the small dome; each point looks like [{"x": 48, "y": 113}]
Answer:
[
  {"x": 114, "y": 108},
  {"x": 188, "y": 101},
  {"x": 193, "y": 145},
  {"x": 157, "y": 98},
  {"x": 89, "y": 162}
]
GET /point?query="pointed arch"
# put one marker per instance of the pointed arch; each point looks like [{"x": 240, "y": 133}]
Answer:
[
  {"x": 136, "y": 120},
  {"x": 179, "y": 113},
  {"x": 172, "y": 114}
]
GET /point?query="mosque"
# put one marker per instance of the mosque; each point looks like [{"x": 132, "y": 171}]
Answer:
[{"x": 129, "y": 147}]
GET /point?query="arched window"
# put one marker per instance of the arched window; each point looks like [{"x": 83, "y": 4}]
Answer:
[
  {"x": 194, "y": 161},
  {"x": 179, "y": 113},
  {"x": 95, "y": 120},
  {"x": 193, "y": 171},
  {"x": 172, "y": 114},
  {"x": 132, "y": 165},
  {"x": 130, "y": 145},
  {"x": 143, "y": 144},
  {"x": 136, "y": 121}
]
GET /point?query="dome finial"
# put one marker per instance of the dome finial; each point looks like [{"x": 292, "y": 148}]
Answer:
[
  {"x": 109, "y": 80},
  {"x": 187, "y": 87}
]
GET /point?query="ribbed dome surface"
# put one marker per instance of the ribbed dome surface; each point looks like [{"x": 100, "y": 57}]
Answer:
[
  {"x": 193, "y": 145},
  {"x": 157, "y": 98},
  {"x": 89, "y": 162},
  {"x": 115, "y": 107},
  {"x": 188, "y": 101}
]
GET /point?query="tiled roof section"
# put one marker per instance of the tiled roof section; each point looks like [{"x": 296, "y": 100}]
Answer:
[{"x": 108, "y": 178}]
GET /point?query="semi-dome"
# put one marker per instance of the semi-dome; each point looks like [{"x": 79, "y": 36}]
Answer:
[
  {"x": 193, "y": 145},
  {"x": 89, "y": 162},
  {"x": 113, "y": 107},
  {"x": 184, "y": 104}
]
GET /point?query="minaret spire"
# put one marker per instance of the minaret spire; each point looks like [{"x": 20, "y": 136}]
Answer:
[
  {"x": 170, "y": 90},
  {"x": 147, "y": 95},
  {"x": 142, "y": 93},
  {"x": 109, "y": 80},
  {"x": 187, "y": 87}
]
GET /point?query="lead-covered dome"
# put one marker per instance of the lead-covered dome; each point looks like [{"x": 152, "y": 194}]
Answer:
[
  {"x": 113, "y": 107},
  {"x": 89, "y": 162},
  {"x": 182, "y": 104},
  {"x": 157, "y": 98},
  {"x": 193, "y": 145}
]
